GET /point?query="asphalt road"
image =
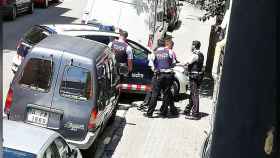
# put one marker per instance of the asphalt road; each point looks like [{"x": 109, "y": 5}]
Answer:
[
  {"x": 68, "y": 11},
  {"x": 131, "y": 135}
]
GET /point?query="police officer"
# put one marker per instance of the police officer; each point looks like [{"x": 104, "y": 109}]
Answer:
[
  {"x": 122, "y": 51},
  {"x": 148, "y": 96},
  {"x": 195, "y": 75},
  {"x": 162, "y": 63}
]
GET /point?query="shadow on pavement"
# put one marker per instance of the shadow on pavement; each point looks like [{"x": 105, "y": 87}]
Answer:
[
  {"x": 203, "y": 114},
  {"x": 106, "y": 143},
  {"x": 207, "y": 86},
  {"x": 115, "y": 131},
  {"x": 127, "y": 98}
]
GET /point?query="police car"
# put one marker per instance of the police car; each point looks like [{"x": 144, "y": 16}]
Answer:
[{"x": 139, "y": 81}]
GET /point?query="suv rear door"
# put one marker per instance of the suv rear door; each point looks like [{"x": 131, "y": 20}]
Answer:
[
  {"x": 33, "y": 86},
  {"x": 74, "y": 96}
]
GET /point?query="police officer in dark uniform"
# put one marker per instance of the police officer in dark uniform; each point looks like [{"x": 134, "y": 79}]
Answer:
[
  {"x": 122, "y": 51},
  {"x": 163, "y": 61},
  {"x": 195, "y": 66},
  {"x": 148, "y": 96}
]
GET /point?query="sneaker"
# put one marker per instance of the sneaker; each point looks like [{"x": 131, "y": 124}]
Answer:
[
  {"x": 142, "y": 107},
  {"x": 163, "y": 115},
  {"x": 174, "y": 113},
  {"x": 147, "y": 115},
  {"x": 192, "y": 117},
  {"x": 187, "y": 112}
]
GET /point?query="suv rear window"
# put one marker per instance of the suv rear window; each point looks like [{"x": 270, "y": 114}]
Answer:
[
  {"x": 35, "y": 35},
  {"x": 76, "y": 83},
  {"x": 37, "y": 74}
]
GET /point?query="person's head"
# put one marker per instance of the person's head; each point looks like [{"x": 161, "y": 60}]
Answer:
[
  {"x": 123, "y": 34},
  {"x": 195, "y": 45},
  {"x": 171, "y": 45}
]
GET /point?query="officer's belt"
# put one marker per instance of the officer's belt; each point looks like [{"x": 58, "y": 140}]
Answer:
[
  {"x": 195, "y": 72},
  {"x": 166, "y": 71}
]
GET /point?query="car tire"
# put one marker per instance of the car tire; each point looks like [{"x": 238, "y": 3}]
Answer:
[
  {"x": 175, "y": 87},
  {"x": 13, "y": 14},
  {"x": 45, "y": 4},
  {"x": 31, "y": 8}
]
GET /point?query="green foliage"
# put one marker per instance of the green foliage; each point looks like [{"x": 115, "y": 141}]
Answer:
[{"x": 215, "y": 8}]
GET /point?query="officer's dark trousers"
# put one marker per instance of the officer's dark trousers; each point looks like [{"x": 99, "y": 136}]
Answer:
[
  {"x": 147, "y": 98},
  {"x": 162, "y": 82},
  {"x": 193, "y": 106}
]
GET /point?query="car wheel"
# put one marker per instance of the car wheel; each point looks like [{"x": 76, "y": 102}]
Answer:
[
  {"x": 31, "y": 8},
  {"x": 13, "y": 13},
  {"x": 175, "y": 89},
  {"x": 45, "y": 4}
]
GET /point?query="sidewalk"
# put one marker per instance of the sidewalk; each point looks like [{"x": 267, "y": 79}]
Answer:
[{"x": 140, "y": 137}]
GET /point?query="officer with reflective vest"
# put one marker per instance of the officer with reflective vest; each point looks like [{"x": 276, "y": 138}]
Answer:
[
  {"x": 195, "y": 66},
  {"x": 122, "y": 51},
  {"x": 163, "y": 61}
]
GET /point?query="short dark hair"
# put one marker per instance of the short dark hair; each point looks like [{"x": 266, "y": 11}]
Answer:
[
  {"x": 123, "y": 33},
  {"x": 196, "y": 44}
]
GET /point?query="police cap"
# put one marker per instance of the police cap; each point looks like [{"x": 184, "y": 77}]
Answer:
[{"x": 124, "y": 33}]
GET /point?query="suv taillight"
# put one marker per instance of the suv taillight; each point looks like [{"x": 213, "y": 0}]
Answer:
[
  {"x": 92, "y": 120},
  {"x": 9, "y": 101}
]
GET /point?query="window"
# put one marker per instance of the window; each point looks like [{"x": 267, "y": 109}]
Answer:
[
  {"x": 101, "y": 39},
  {"x": 62, "y": 147},
  {"x": 138, "y": 52},
  {"x": 37, "y": 74},
  {"x": 51, "y": 152},
  {"x": 35, "y": 35},
  {"x": 76, "y": 83}
]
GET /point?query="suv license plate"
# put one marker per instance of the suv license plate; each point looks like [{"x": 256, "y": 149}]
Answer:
[{"x": 38, "y": 117}]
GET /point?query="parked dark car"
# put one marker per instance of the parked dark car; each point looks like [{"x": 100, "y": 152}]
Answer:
[
  {"x": 44, "y": 3},
  {"x": 11, "y": 8},
  {"x": 67, "y": 84}
]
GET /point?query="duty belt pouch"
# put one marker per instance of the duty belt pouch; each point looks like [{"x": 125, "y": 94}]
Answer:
[{"x": 123, "y": 69}]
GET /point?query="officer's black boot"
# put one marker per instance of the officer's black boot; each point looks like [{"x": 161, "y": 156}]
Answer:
[{"x": 146, "y": 101}]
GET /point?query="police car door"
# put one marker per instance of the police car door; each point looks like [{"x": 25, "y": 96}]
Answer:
[{"x": 141, "y": 73}]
